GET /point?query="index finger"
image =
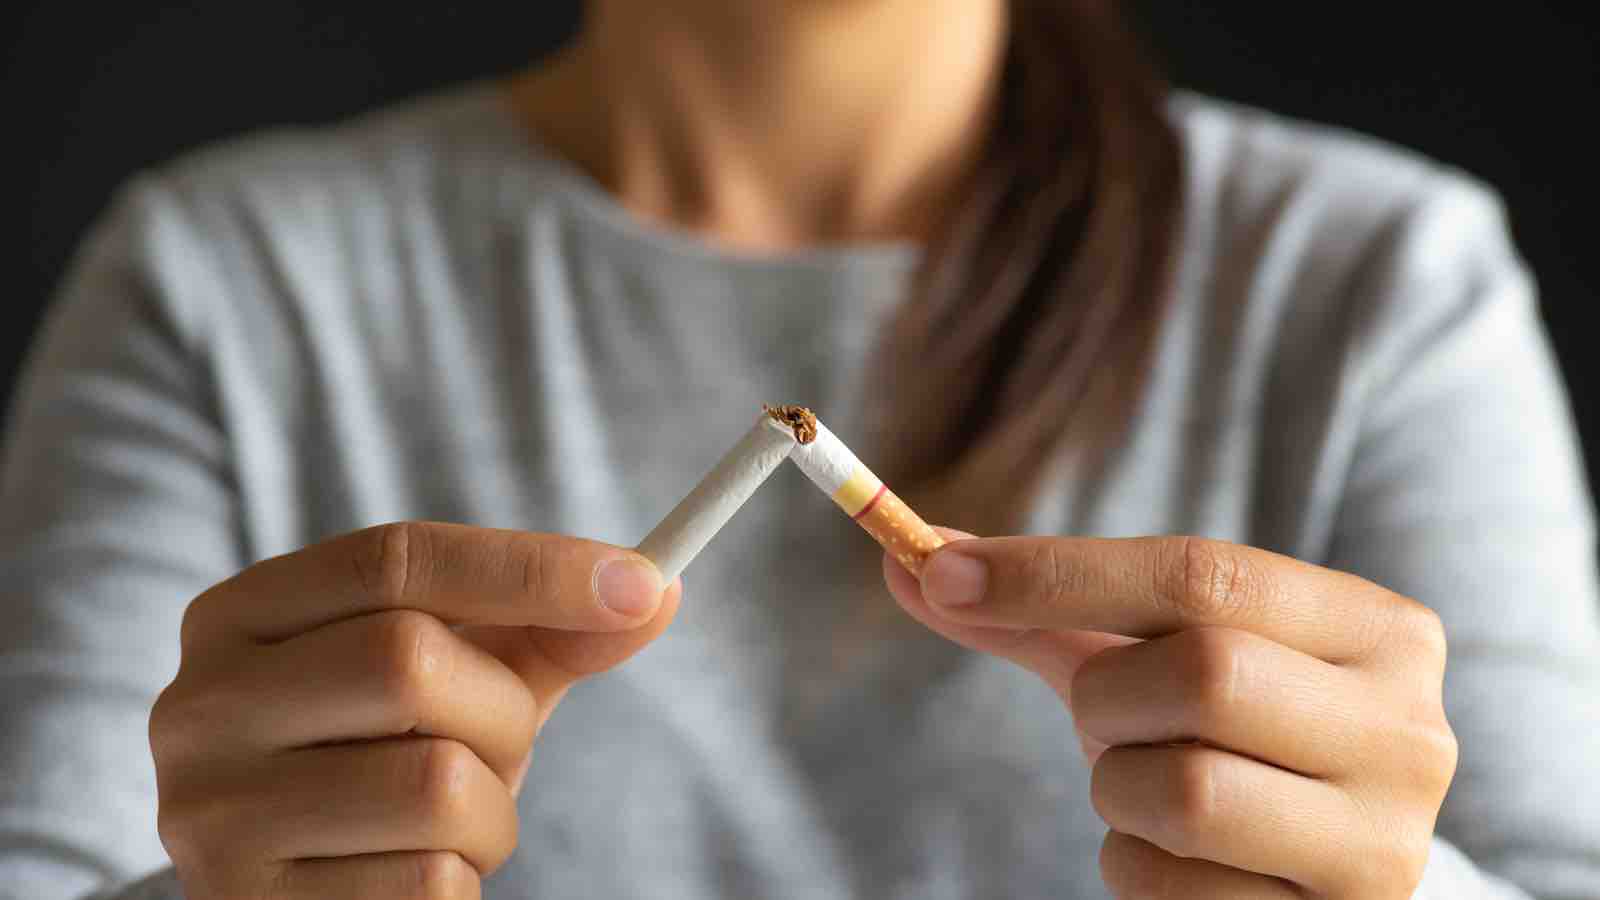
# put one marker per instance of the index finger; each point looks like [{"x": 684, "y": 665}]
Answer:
[
  {"x": 1149, "y": 587},
  {"x": 458, "y": 573}
]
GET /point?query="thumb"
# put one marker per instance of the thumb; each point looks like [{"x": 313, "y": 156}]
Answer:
[
  {"x": 584, "y": 653},
  {"x": 550, "y": 659},
  {"x": 1052, "y": 655}
]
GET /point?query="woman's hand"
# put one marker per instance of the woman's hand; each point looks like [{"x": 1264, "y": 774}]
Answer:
[
  {"x": 354, "y": 719},
  {"x": 1278, "y": 730}
]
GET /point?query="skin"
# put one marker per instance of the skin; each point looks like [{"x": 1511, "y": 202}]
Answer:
[
  {"x": 1257, "y": 726},
  {"x": 775, "y": 125},
  {"x": 356, "y": 718}
]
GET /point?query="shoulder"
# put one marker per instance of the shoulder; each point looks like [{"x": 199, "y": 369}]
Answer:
[
  {"x": 404, "y": 152},
  {"x": 1329, "y": 287},
  {"x": 1326, "y": 232},
  {"x": 1244, "y": 145},
  {"x": 1316, "y": 191},
  {"x": 303, "y": 215}
]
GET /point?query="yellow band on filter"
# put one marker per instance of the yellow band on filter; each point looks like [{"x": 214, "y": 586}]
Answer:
[{"x": 854, "y": 495}]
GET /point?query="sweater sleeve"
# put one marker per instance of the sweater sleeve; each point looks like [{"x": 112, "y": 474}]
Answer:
[
  {"x": 1466, "y": 491},
  {"x": 116, "y": 507}
]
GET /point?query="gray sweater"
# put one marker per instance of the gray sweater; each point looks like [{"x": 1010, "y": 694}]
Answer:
[{"x": 420, "y": 314}]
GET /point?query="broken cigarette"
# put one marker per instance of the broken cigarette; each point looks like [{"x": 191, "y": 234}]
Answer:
[
  {"x": 674, "y": 543},
  {"x": 862, "y": 495}
]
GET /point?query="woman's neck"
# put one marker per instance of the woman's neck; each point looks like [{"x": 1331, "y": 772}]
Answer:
[{"x": 775, "y": 124}]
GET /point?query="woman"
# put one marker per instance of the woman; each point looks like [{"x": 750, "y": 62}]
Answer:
[{"x": 1044, "y": 297}]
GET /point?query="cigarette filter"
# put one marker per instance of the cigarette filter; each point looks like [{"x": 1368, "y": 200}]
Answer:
[
  {"x": 699, "y": 516},
  {"x": 863, "y": 497}
]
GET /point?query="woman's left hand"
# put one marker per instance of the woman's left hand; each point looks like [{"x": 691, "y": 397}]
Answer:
[{"x": 1258, "y": 726}]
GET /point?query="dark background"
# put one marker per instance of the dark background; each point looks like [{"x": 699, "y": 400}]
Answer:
[{"x": 90, "y": 94}]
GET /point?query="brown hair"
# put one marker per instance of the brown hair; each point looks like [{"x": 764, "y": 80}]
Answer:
[{"x": 1036, "y": 311}]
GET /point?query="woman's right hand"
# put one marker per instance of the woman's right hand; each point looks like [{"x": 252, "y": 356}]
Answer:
[{"x": 354, "y": 719}]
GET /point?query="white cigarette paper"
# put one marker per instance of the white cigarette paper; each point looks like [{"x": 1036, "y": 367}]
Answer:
[
  {"x": 864, "y": 497},
  {"x": 698, "y": 517}
]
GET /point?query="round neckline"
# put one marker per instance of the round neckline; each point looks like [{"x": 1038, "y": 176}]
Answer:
[{"x": 597, "y": 205}]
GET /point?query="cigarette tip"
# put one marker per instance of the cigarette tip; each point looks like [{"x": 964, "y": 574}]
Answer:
[{"x": 797, "y": 419}]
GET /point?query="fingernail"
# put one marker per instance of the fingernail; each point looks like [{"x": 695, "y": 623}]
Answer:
[
  {"x": 953, "y": 579},
  {"x": 627, "y": 587}
]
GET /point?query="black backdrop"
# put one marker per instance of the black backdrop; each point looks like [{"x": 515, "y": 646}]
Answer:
[{"x": 92, "y": 93}]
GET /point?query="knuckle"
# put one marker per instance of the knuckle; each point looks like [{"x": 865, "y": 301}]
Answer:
[
  {"x": 1393, "y": 849},
  {"x": 444, "y": 775},
  {"x": 1447, "y": 748},
  {"x": 166, "y": 725},
  {"x": 172, "y": 828},
  {"x": 1192, "y": 803},
  {"x": 385, "y": 557},
  {"x": 1209, "y": 582},
  {"x": 1044, "y": 568},
  {"x": 178, "y": 723},
  {"x": 184, "y": 823},
  {"x": 1424, "y": 634},
  {"x": 444, "y": 875},
  {"x": 531, "y": 558},
  {"x": 1210, "y": 661},
  {"x": 413, "y": 660},
  {"x": 1437, "y": 756},
  {"x": 198, "y": 617},
  {"x": 189, "y": 626}
]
